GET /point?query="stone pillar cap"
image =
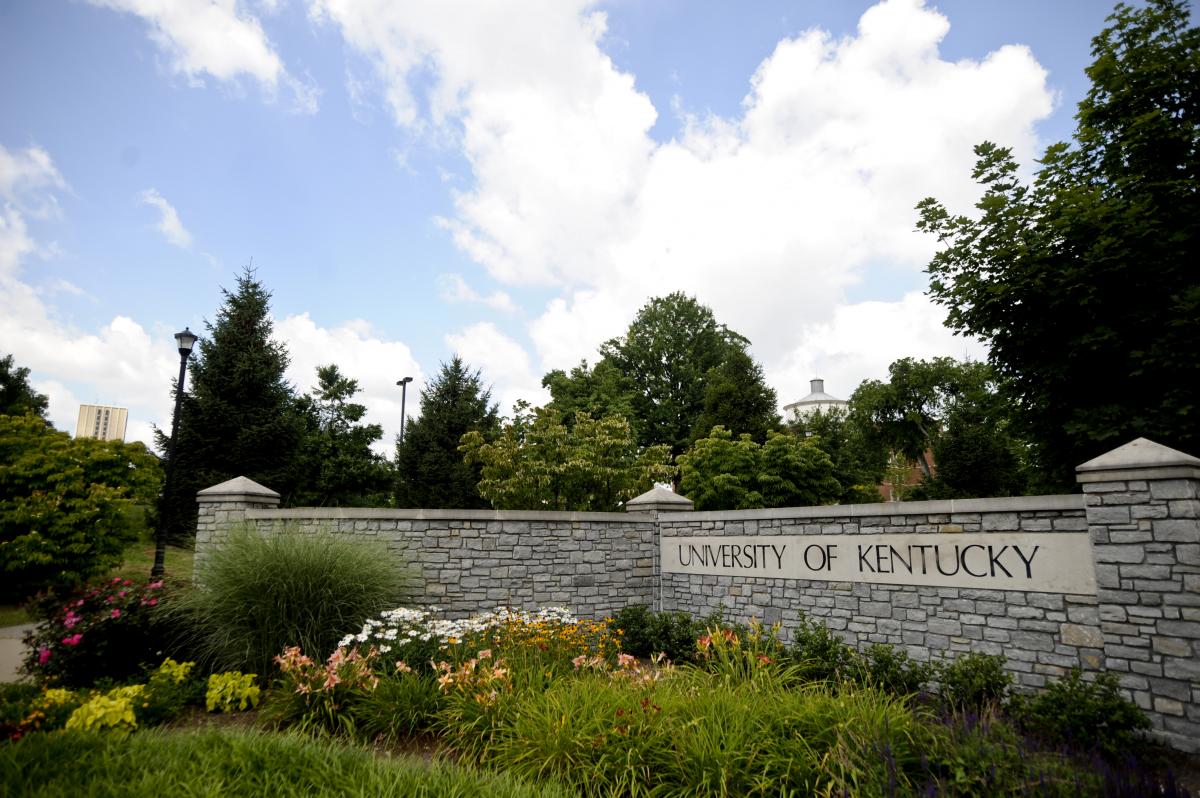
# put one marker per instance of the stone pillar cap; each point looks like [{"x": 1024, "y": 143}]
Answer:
[
  {"x": 661, "y": 499},
  {"x": 1139, "y": 459},
  {"x": 238, "y": 489}
]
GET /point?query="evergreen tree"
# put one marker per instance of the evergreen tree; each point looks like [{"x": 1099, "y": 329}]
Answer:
[
  {"x": 339, "y": 468},
  {"x": 430, "y": 468},
  {"x": 17, "y": 396},
  {"x": 239, "y": 416}
]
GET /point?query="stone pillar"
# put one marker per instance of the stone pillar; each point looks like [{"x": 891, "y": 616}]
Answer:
[
  {"x": 655, "y": 501},
  {"x": 1143, "y": 513},
  {"x": 223, "y": 507}
]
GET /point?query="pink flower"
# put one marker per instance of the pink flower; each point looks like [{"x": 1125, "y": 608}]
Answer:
[
  {"x": 152, "y": 602},
  {"x": 43, "y": 655},
  {"x": 79, "y": 603},
  {"x": 116, "y": 580},
  {"x": 626, "y": 661},
  {"x": 121, "y": 593},
  {"x": 155, "y": 585},
  {"x": 71, "y": 619},
  {"x": 73, "y": 640},
  {"x": 116, "y": 613}
]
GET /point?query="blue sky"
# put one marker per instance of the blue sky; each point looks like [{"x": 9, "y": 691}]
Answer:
[{"x": 509, "y": 181}]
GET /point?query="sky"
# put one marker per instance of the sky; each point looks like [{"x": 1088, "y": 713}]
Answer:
[{"x": 508, "y": 181}]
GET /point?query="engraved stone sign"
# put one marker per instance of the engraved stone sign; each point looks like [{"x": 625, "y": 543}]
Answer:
[{"x": 1048, "y": 563}]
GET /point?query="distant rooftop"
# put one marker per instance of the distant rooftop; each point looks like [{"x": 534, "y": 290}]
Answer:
[{"x": 816, "y": 400}]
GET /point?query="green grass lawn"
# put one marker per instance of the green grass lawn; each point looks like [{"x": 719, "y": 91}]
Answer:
[{"x": 138, "y": 560}]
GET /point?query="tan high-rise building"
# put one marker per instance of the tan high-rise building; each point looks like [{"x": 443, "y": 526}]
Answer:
[{"x": 105, "y": 423}]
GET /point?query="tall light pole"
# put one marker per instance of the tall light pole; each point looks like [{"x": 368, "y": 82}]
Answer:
[
  {"x": 403, "y": 395},
  {"x": 185, "y": 340}
]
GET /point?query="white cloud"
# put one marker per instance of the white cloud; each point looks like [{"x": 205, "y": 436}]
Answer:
[
  {"x": 168, "y": 222},
  {"x": 27, "y": 178},
  {"x": 768, "y": 217},
  {"x": 503, "y": 363},
  {"x": 359, "y": 354},
  {"x": 218, "y": 38},
  {"x": 453, "y": 288}
]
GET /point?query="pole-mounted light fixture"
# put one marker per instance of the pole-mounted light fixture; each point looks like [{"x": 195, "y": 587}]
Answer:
[
  {"x": 403, "y": 383},
  {"x": 185, "y": 340}
]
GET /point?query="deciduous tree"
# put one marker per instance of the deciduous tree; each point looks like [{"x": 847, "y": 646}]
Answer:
[
  {"x": 65, "y": 504},
  {"x": 720, "y": 473},
  {"x": 1084, "y": 283},
  {"x": 17, "y": 396},
  {"x": 540, "y": 463}
]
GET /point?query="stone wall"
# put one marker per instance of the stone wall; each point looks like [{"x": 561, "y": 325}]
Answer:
[
  {"x": 1040, "y": 633},
  {"x": 1134, "y": 531},
  {"x": 464, "y": 561}
]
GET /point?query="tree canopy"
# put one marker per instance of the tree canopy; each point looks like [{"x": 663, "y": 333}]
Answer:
[
  {"x": 430, "y": 469},
  {"x": 720, "y": 473},
  {"x": 1084, "y": 283},
  {"x": 65, "y": 504},
  {"x": 17, "y": 396},
  {"x": 674, "y": 374},
  {"x": 338, "y": 466},
  {"x": 538, "y": 462}
]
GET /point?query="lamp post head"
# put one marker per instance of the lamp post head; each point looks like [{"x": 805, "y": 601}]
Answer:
[
  {"x": 186, "y": 341},
  {"x": 404, "y": 381}
]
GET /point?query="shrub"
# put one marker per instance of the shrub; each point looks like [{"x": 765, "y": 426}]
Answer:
[
  {"x": 231, "y": 692},
  {"x": 107, "y": 631},
  {"x": 24, "y": 708},
  {"x": 973, "y": 681},
  {"x": 645, "y": 632},
  {"x": 169, "y": 688},
  {"x": 821, "y": 655},
  {"x": 892, "y": 670},
  {"x": 1083, "y": 714},
  {"x": 263, "y": 593}
]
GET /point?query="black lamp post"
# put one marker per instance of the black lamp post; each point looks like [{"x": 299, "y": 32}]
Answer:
[
  {"x": 186, "y": 340},
  {"x": 403, "y": 396}
]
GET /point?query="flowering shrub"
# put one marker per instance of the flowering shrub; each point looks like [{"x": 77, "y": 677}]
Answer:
[
  {"x": 744, "y": 654},
  {"x": 25, "y": 709},
  {"x": 544, "y": 642},
  {"x": 231, "y": 691},
  {"x": 104, "y": 631}
]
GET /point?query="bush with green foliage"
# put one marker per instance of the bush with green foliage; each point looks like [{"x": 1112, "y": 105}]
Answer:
[
  {"x": 65, "y": 504},
  {"x": 821, "y": 655},
  {"x": 645, "y": 632},
  {"x": 892, "y": 670},
  {"x": 260, "y": 593},
  {"x": 1085, "y": 714},
  {"x": 973, "y": 681},
  {"x": 111, "y": 630}
]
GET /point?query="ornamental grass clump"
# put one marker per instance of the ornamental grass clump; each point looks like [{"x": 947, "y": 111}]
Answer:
[{"x": 261, "y": 593}]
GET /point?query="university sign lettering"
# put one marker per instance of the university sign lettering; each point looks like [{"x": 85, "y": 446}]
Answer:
[{"x": 1050, "y": 563}]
